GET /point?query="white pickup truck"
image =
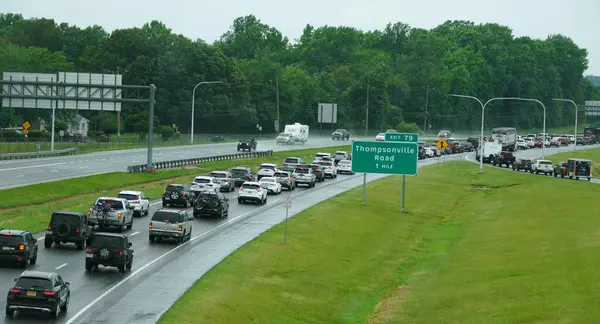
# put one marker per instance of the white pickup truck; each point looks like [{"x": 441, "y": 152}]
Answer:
[{"x": 542, "y": 166}]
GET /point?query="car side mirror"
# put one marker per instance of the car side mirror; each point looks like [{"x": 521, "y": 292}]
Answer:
[
  {"x": 129, "y": 244},
  {"x": 15, "y": 279},
  {"x": 67, "y": 283}
]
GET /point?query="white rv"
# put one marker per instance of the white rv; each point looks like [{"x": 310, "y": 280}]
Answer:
[
  {"x": 296, "y": 133},
  {"x": 490, "y": 151}
]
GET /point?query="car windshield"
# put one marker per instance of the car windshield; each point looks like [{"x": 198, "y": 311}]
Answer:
[
  {"x": 250, "y": 186},
  {"x": 291, "y": 160},
  {"x": 239, "y": 172},
  {"x": 546, "y": 162},
  {"x": 339, "y": 130},
  {"x": 10, "y": 240},
  {"x": 218, "y": 174},
  {"x": 285, "y": 134},
  {"x": 177, "y": 188},
  {"x": 325, "y": 163},
  {"x": 245, "y": 141},
  {"x": 289, "y": 168},
  {"x": 31, "y": 283},
  {"x": 267, "y": 166},
  {"x": 583, "y": 164},
  {"x": 268, "y": 180},
  {"x": 345, "y": 163},
  {"x": 113, "y": 242},
  {"x": 128, "y": 196},
  {"x": 114, "y": 204},
  {"x": 202, "y": 180},
  {"x": 340, "y": 153},
  {"x": 169, "y": 217},
  {"x": 281, "y": 174},
  {"x": 302, "y": 170},
  {"x": 208, "y": 195},
  {"x": 59, "y": 218}
]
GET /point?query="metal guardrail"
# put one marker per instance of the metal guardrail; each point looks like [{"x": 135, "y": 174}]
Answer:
[
  {"x": 184, "y": 162},
  {"x": 35, "y": 155}
]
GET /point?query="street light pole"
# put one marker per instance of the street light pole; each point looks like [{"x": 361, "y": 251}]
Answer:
[
  {"x": 194, "y": 104},
  {"x": 576, "y": 111},
  {"x": 277, "y": 90},
  {"x": 367, "y": 111},
  {"x": 483, "y": 105}
]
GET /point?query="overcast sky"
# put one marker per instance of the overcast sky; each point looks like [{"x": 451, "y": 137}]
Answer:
[{"x": 210, "y": 19}]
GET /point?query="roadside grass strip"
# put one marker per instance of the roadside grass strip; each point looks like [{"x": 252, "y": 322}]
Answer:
[
  {"x": 30, "y": 207},
  {"x": 484, "y": 248}
]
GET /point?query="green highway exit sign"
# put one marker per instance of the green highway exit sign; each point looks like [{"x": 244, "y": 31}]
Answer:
[
  {"x": 385, "y": 157},
  {"x": 402, "y": 137}
]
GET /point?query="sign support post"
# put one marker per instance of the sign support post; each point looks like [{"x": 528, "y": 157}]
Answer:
[
  {"x": 287, "y": 203},
  {"x": 398, "y": 155}
]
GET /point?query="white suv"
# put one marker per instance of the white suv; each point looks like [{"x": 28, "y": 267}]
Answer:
[
  {"x": 305, "y": 176},
  {"x": 266, "y": 170},
  {"x": 252, "y": 191},
  {"x": 141, "y": 204},
  {"x": 329, "y": 168}
]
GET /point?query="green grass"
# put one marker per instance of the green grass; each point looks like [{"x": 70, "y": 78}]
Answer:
[
  {"x": 30, "y": 207},
  {"x": 473, "y": 248}
]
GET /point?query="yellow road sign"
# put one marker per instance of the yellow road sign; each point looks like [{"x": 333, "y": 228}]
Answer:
[
  {"x": 26, "y": 125},
  {"x": 441, "y": 144}
]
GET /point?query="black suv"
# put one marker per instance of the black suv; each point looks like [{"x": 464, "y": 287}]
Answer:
[
  {"x": 561, "y": 169},
  {"x": 242, "y": 174},
  {"x": 68, "y": 227},
  {"x": 109, "y": 250},
  {"x": 178, "y": 194},
  {"x": 38, "y": 291},
  {"x": 340, "y": 134},
  {"x": 318, "y": 171},
  {"x": 211, "y": 203},
  {"x": 18, "y": 246},
  {"x": 522, "y": 164},
  {"x": 504, "y": 158},
  {"x": 247, "y": 145}
]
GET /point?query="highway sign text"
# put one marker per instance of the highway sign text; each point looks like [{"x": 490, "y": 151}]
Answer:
[
  {"x": 402, "y": 137},
  {"x": 385, "y": 157}
]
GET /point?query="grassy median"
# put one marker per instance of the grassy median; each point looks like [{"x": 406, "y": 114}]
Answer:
[
  {"x": 473, "y": 248},
  {"x": 30, "y": 207}
]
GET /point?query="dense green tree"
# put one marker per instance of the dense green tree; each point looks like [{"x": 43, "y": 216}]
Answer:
[{"x": 406, "y": 74}]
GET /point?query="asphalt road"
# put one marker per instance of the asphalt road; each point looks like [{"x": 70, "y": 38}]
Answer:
[
  {"x": 17, "y": 173},
  {"x": 163, "y": 271}
]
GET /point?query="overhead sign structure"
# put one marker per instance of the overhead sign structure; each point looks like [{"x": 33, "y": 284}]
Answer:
[
  {"x": 441, "y": 144},
  {"x": 399, "y": 158},
  {"x": 327, "y": 113},
  {"x": 592, "y": 108}
]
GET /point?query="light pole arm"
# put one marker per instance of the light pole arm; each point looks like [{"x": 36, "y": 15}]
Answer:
[{"x": 194, "y": 105}]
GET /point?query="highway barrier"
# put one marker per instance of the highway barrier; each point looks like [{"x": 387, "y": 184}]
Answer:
[
  {"x": 185, "y": 162},
  {"x": 35, "y": 155}
]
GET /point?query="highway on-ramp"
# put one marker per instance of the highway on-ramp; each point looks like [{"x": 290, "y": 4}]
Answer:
[
  {"x": 162, "y": 271},
  {"x": 17, "y": 173}
]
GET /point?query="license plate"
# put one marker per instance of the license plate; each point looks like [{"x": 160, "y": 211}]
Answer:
[
  {"x": 89, "y": 255},
  {"x": 31, "y": 293},
  {"x": 6, "y": 248},
  {"x": 167, "y": 198}
]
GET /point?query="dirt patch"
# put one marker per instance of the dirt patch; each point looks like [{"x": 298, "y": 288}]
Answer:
[
  {"x": 387, "y": 308},
  {"x": 483, "y": 187}
]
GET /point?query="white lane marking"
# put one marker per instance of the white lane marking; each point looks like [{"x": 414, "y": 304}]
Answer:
[
  {"x": 41, "y": 238},
  {"x": 19, "y": 176},
  {"x": 145, "y": 266},
  {"x": 33, "y": 166},
  {"x": 54, "y": 171},
  {"x": 134, "y": 233},
  {"x": 61, "y": 266}
]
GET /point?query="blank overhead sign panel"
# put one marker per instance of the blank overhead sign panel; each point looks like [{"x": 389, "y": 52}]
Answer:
[
  {"x": 87, "y": 90},
  {"x": 327, "y": 113},
  {"x": 28, "y": 90}
]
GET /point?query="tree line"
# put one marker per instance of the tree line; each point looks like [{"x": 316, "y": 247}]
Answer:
[{"x": 406, "y": 73}]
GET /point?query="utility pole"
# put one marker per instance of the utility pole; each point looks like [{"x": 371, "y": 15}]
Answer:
[
  {"x": 367, "y": 111},
  {"x": 277, "y": 89},
  {"x": 426, "y": 108}
]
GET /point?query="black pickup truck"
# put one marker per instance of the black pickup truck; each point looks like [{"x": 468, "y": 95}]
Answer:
[
  {"x": 504, "y": 159},
  {"x": 522, "y": 164},
  {"x": 560, "y": 169}
]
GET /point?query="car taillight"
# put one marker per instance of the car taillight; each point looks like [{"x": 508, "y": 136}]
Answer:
[
  {"x": 77, "y": 230},
  {"x": 164, "y": 192},
  {"x": 89, "y": 213},
  {"x": 180, "y": 228},
  {"x": 241, "y": 189},
  {"x": 184, "y": 194},
  {"x": 89, "y": 250},
  {"x": 119, "y": 215},
  {"x": 49, "y": 293},
  {"x": 15, "y": 290},
  {"x": 290, "y": 179},
  {"x": 22, "y": 247},
  {"x": 225, "y": 180},
  {"x": 136, "y": 201},
  {"x": 259, "y": 189},
  {"x": 318, "y": 170},
  {"x": 121, "y": 253},
  {"x": 150, "y": 226},
  {"x": 49, "y": 228},
  {"x": 285, "y": 164}
]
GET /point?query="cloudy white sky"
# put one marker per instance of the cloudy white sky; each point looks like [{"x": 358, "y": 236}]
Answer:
[{"x": 209, "y": 19}]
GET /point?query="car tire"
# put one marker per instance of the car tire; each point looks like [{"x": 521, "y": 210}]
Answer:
[
  {"x": 240, "y": 201},
  {"x": 554, "y": 173},
  {"x": 130, "y": 226},
  {"x": 164, "y": 204},
  {"x": 88, "y": 241},
  {"x": 264, "y": 202},
  {"x": 33, "y": 260},
  {"x": 48, "y": 243},
  {"x": 79, "y": 245},
  {"x": 121, "y": 269},
  {"x": 9, "y": 312},
  {"x": 88, "y": 266},
  {"x": 64, "y": 307},
  {"x": 150, "y": 238}
]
